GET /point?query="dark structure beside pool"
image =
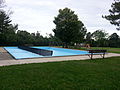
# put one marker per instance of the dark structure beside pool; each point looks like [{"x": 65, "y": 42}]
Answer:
[{"x": 42, "y": 52}]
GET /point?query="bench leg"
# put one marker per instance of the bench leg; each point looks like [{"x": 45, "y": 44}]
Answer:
[
  {"x": 91, "y": 56},
  {"x": 103, "y": 55}
]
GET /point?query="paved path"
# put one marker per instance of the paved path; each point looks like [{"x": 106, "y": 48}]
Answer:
[
  {"x": 51, "y": 59},
  {"x": 4, "y": 55},
  {"x": 2, "y": 50}
]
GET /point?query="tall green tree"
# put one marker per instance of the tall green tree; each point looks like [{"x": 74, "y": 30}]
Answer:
[
  {"x": 7, "y": 30},
  {"x": 68, "y": 27},
  {"x": 114, "y": 16},
  {"x": 24, "y": 37},
  {"x": 54, "y": 41},
  {"x": 100, "y": 37},
  {"x": 99, "y": 34},
  {"x": 4, "y": 21},
  {"x": 114, "y": 40},
  {"x": 88, "y": 37}
]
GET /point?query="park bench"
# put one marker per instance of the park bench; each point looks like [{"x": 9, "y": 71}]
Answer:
[{"x": 94, "y": 52}]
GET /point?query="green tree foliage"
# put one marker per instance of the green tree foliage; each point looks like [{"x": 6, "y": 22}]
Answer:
[
  {"x": 68, "y": 27},
  {"x": 10, "y": 35},
  {"x": 114, "y": 16},
  {"x": 54, "y": 41},
  {"x": 7, "y": 30},
  {"x": 114, "y": 40},
  {"x": 23, "y": 37},
  {"x": 99, "y": 34},
  {"x": 4, "y": 21},
  {"x": 88, "y": 37},
  {"x": 100, "y": 37},
  {"x": 39, "y": 39}
]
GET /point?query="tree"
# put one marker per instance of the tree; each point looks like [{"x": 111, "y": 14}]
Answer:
[
  {"x": 114, "y": 16},
  {"x": 4, "y": 21},
  {"x": 88, "y": 37},
  {"x": 100, "y": 37},
  {"x": 24, "y": 37},
  {"x": 7, "y": 30},
  {"x": 54, "y": 41},
  {"x": 68, "y": 27},
  {"x": 39, "y": 39},
  {"x": 114, "y": 40},
  {"x": 99, "y": 34}
]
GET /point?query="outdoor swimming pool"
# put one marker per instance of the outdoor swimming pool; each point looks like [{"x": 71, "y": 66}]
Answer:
[{"x": 22, "y": 54}]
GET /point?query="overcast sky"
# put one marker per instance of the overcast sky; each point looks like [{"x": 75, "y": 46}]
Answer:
[{"x": 38, "y": 15}]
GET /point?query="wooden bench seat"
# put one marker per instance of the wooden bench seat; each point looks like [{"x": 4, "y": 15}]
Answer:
[{"x": 94, "y": 52}]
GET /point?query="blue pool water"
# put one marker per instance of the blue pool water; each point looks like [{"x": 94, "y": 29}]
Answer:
[{"x": 22, "y": 54}]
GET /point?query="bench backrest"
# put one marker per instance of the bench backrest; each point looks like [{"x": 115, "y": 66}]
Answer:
[{"x": 97, "y": 51}]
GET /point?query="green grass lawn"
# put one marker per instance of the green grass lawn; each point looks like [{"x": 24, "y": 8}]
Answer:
[
  {"x": 111, "y": 50},
  {"x": 98, "y": 74}
]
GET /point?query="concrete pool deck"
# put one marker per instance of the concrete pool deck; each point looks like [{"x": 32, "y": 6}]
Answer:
[{"x": 8, "y": 60}]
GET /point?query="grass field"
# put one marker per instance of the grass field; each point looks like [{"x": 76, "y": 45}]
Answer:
[
  {"x": 111, "y": 50},
  {"x": 98, "y": 74}
]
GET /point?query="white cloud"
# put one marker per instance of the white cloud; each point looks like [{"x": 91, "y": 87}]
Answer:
[{"x": 38, "y": 15}]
